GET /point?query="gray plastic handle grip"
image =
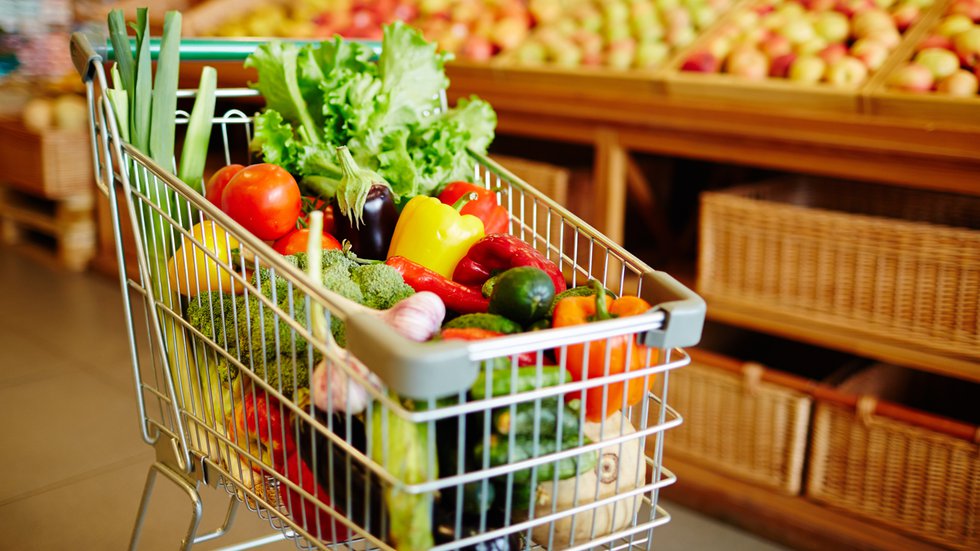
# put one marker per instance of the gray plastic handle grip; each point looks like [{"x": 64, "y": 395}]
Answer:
[{"x": 684, "y": 312}]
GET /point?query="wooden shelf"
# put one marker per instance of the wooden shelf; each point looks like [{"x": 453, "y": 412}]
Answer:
[
  {"x": 791, "y": 520},
  {"x": 845, "y": 341}
]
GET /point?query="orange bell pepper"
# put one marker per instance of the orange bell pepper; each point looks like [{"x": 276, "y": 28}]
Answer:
[{"x": 625, "y": 354}]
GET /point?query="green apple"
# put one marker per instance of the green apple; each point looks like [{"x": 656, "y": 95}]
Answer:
[
  {"x": 954, "y": 25},
  {"x": 847, "y": 72},
  {"x": 811, "y": 47},
  {"x": 808, "y": 69},
  {"x": 941, "y": 63},
  {"x": 651, "y": 54},
  {"x": 832, "y": 25},
  {"x": 797, "y": 31}
]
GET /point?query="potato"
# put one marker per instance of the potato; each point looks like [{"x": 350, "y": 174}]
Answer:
[
  {"x": 624, "y": 463},
  {"x": 192, "y": 271}
]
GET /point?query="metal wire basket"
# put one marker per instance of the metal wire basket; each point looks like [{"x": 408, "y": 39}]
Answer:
[{"x": 320, "y": 477}]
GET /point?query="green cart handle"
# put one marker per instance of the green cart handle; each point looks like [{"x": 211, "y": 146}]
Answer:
[{"x": 87, "y": 49}]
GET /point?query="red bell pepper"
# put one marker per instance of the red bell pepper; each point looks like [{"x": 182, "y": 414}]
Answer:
[
  {"x": 484, "y": 207},
  {"x": 456, "y": 297},
  {"x": 261, "y": 419},
  {"x": 305, "y": 511},
  {"x": 499, "y": 252}
]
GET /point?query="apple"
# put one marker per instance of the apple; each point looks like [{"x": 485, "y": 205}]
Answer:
[
  {"x": 884, "y": 4},
  {"x": 797, "y": 31},
  {"x": 850, "y": 8},
  {"x": 832, "y": 26},
  {"x": 820, "y": 5},
  {"x": 530, "y": 52},
  {"x": 615, "y": 11},
  {"x": 941, "y": 63},
  {"x": 615, "y": 32},
  {"x": 543, "y": 11},
  {"x": 720, "y": 46},
  {"x": 867, "y": 21},
  {"x": 954, "y": 25},
  {"x": 847, "y": 72},
  {"x": 620, "y": 55},
  {"x": 871, "y": 52},
  {"x": 961, "y": 83},
  {"x": 701, "y": 61},
  {"x": 676, "y": 18},
  {"x": 890, "y": 37},
  {"x": 775, "y": 46},
  {"x": 567, "y": 55},
  {"x": 791, "y": 10},
  {"x": 567, "y": 26},
  {"x": 967, "y": 45},
  {"x": 780, "y": 65},
  {"x": 703, "y": 16},
  {"x": 833, "y": 53},
  {"x": 747, "y": 62},
  {"x": 477, "y": 48},
  {"x": 911, "y": 77},
  {"x": 588, "y": 18},
  {"x": 648, "y": 30},
  {"x": 510, "y": 31},
  {"x": 650, "y": 54},
  {"x": 807, "y": 68},
  {"x": 642, "y": 9},
  {"x": 935, "y": 41},
  {"x": 812, "y": 46},
  {"x": 681, "y": 37},
  {"x": 969, "y": 8},
  {"x": 745, "y": 19},
  {"x": 905, "y": 15}
]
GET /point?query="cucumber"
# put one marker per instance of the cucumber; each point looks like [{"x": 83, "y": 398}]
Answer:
[
  {"x": 523, "y": 294},
  {"x": 580, "y": 291},
  {"x": 521, "y": 422},
  {"x": 490, "y": 322},
  {"x": 527, "y": 379}
]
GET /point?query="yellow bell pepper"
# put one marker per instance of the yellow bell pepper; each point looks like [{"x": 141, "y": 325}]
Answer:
[
  {"x": 193, "y": 271},
  {"x": 434, "y": 234}
]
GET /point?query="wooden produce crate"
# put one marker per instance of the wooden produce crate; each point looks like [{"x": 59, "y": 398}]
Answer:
[
  {"x": 774, "y": 92},
  {"x": 888, "y": 264},
  {"x": 741, "y": 419},
  {"x": 63, "y": 228},
  {"x": 916, "y": 472},
  {"x": 880, "y": 99},
  {"x": 55, "y": 164}
]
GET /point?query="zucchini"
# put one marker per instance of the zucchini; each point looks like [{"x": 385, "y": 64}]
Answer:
[
  {"x": 521, "y": 422},
  {"x": 527, "y": 379},
  {"x": 501, "y": 453},
  {"x": 490, "y": 322},
  {"x": 488, "y": 286},
  {"x": 523, "y": 294}
]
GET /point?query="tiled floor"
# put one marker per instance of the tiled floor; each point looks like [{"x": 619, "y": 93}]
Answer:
[{"x": 73, "y": 464}]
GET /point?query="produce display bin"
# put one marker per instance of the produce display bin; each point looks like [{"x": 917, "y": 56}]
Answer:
[
  {"x": 338, "y": 483},
  {"x": 772, "y": 91},
  {"x": 891, "y": 264},
  {"x": 880, "y": 99},
  {"x": 879, "y": 459}
]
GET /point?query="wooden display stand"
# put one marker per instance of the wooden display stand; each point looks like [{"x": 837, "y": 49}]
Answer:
[{"x": 67, "y": 221}]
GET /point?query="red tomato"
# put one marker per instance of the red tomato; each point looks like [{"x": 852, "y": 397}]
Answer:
[
  {"x": 311, "y": 204},
  {"x": 218, "y": 181},
  {"x": 296, "y": 242},
  {"x": 263, "y": 198}
]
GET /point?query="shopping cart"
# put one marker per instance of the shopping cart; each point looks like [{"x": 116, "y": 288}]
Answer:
[{"x": 331, "y": 478}]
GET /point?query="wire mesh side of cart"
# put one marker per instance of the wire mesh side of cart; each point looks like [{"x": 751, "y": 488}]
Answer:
[{"x": 326, "y": 482}]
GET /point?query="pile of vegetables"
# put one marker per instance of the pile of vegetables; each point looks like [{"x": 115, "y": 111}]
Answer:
[{"x": 362, "y": 185}]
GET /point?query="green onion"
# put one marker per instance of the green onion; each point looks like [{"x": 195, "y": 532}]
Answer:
[
  {"x": 195, "y": 150},
  {"x": 164, "y": 104}
]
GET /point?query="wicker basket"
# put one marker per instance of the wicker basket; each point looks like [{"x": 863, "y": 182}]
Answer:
[
  {"x": 741, "y": 419},
  {"x": 916, "y": 472},
  {"x": 54, "y": 165},
  {"x": 888, "y": 263}
]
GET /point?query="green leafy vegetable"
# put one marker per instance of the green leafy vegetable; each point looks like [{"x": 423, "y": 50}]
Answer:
[{"x": 323, "y": 96}]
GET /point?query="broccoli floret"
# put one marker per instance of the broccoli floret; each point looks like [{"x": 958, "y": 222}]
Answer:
[
  {"x": 382, "y": 285},
  {"x": 279, "y": 371},
  {"x": 213, "y": 314}
]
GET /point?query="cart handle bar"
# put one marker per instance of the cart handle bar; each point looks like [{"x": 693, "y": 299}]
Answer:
[{"x": 91, "y": 47}]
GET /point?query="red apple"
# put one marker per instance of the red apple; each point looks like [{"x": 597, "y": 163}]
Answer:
[
  {"x": 911, "y": 77},
  {"x": 807, "y": 68},
  {"x": 872, "y": 53},
  {"x": 935, "y": 41},
  {"x": 477, "y": 48},
  {"x": 780, "y": 65},
  {"x": 961, "y": 83},
  {"x": 969, "y": 8},
  {"x": 847, "y": 72},
  {"x": 833, "y": 53},
  {"x": 701, "y": 62},
  {"x": 775, "y": 46},
  {"x": 905, "y": 15},
  {"x": 747, "y": 62}
]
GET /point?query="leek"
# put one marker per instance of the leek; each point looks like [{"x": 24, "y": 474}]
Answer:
[
  {"x": 163, "y": 111},
  {"x": 139, "y": 111},
  {"x": 195, "y": 150}
]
